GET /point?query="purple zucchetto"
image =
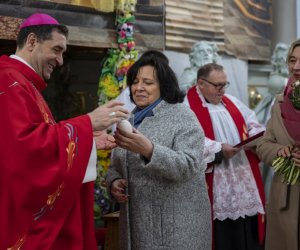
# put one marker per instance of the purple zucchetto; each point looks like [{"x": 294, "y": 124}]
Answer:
[{"x": 38, "y": 19}]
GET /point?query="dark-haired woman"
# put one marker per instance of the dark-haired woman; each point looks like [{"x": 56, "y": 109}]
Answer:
[{"x": 157, "y": 173}]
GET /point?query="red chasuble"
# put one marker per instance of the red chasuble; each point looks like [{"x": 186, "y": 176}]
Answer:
[
  {"x": 44, "y": 204},
  {"x": 203, "y": 116}
]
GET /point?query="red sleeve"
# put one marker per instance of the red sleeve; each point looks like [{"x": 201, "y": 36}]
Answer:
[{"x": 42, "y": 168}]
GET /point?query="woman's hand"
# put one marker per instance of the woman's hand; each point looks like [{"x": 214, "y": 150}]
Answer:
[
  {"x": 118, "y": 190},
  {"x": 135, "y": 142},
  {"x": 296, "y": 156},
  {"x": 104, "y": 140},
  {"x": 285, "y": 151}
]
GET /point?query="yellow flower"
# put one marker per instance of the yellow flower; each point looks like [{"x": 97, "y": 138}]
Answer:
[
  {"x": 105, "y": 164},
  {"x": 112, "y": 91},
  {"x": 103, "y": 153}
]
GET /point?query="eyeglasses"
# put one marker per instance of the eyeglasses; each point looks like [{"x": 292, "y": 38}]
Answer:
[{"x": 219, "y": 86}]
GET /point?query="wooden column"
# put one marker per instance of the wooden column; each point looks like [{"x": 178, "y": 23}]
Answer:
[{"x": 112, "y": 235}]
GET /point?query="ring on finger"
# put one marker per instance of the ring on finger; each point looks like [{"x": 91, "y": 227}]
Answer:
[{"x": 111, "y": 114}]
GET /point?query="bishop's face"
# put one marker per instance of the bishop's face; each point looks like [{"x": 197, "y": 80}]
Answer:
[{"x": 48, "y": 54}]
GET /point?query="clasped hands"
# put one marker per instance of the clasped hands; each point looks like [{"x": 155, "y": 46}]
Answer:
[{"x": 290, "y": 150}]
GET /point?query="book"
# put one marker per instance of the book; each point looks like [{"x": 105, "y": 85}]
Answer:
[{"x": 251, "y": 141}]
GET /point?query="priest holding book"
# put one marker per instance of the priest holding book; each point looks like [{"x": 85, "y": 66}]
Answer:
[{"x": 233, "y": 177}]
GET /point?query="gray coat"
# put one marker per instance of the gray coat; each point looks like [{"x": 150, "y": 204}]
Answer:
[
  {"x": 283, "y": 208},
  {"x": 168, "y": 207}
]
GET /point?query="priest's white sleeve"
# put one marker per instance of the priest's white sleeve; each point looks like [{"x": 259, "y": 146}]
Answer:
[
  {"x": 91, "y": 171},
  {"x": 211, "y": 148}
]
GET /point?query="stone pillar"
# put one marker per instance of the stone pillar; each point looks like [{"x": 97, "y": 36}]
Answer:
[{"x": 284, "y": 19}]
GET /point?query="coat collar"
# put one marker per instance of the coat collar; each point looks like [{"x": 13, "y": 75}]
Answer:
[{"x": 28, "y": 72}]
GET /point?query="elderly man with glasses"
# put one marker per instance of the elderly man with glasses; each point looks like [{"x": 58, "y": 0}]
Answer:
[{"x": 234, "y": 182}]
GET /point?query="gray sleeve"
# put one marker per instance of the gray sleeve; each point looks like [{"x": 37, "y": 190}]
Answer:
[
  {"x": 115, "y": 170},
  {"x": 185, "y": 159}
]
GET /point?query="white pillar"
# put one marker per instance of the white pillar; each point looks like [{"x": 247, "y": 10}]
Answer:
[
  {"x": 298, "y": 17},
  {"x": 284, "y": 21}
]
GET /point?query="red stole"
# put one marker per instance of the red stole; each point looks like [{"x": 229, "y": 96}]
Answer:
[
  {"x": 203, "y": 116},
  {"x": 44, "y": 203}
]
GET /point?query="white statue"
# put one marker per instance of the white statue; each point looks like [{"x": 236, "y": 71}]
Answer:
[
  {"x": 202, "y": 52},
  {"x": 276, "y": 82}
]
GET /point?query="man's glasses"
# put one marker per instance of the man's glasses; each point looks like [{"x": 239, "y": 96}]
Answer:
[{"x": 219, "y": 86}]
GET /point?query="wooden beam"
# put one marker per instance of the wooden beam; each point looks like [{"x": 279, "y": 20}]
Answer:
[{"x": 88, "y": 27}]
